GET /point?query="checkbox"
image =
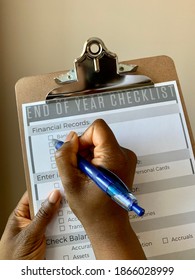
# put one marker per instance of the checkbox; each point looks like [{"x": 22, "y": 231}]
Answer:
[
  {"x": 52, "y": 151},
  {"x": 66, "y": 257},
  {"x": 50, "y": 137},
  {"x": 56, "y": 185},
  {"x": 60, "y": 213},
  {"x": 62, "y": 228},
  {"x": 61, "y": 220},
  {"x": 165, "y": 240},
  {"x": 50, "y": 144},
  {"x": 53, "y": 166},
  {"x": 52, "y": 159}
]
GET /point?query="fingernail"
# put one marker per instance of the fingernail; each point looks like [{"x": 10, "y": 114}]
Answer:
[
  {"x": 69, "y": 136},
  {"x": 54, "y": 196}
]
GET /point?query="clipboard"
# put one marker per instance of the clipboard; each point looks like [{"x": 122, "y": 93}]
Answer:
[{"x": 152, "y": 70}]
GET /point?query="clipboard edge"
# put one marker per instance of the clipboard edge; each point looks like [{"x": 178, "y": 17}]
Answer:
[{"x": 41, "y": 83}]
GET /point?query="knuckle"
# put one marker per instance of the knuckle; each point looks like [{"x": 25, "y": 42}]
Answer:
[
  {"x": 129, "y": 156},
  {"x": 100, "y": 122},
  {"x": 132, "y": 156}
]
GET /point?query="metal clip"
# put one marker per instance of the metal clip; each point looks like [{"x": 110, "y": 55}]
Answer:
[{"x": 97, "y": 70}]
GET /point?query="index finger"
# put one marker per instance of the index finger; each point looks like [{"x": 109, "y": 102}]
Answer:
[{"x": 98, "y": 134}]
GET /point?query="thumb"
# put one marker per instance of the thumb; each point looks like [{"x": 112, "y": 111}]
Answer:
[{"x": 45, "y": 213}]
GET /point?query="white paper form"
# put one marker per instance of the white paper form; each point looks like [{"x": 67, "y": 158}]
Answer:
[{"x": 148, "y": 121}]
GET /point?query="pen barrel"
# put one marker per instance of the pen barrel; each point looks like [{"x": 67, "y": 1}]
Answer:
[
  {"x": 93, "y": 173},
  {"x": 108, "y": 182},
  {"x": 111, "y": 185}
]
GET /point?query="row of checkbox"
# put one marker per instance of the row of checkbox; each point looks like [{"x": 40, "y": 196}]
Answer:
[
  {"x": 52, "y": 152},
  {"x": 56, "y": 185},
  {"x": 61, "y": 220}
]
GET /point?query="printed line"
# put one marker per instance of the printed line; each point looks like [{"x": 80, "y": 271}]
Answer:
[
  {"x": 31, "y": 154},
  {"x": 36, "y": 192}
]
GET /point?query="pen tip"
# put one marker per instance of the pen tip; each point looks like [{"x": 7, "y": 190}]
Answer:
[{"x": 57, "y": 143}]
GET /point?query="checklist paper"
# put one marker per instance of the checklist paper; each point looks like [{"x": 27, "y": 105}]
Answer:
[{"x": 150, "y": 122}]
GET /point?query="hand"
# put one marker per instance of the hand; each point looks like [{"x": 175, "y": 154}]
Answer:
[
  {"x": 99, "y": 146},
  {"x": 105, "y": 222},
  {"x": 24, "y": 238}
]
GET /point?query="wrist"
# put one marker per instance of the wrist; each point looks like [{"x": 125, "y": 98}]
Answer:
[{"x": 114, "y": 239}]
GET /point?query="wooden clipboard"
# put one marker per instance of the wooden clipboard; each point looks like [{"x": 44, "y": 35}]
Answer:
[{"x": 35, "y": 88}]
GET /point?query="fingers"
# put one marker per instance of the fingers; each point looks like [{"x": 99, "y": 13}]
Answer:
[
  {"x": 100, "y": 139},
  {"x": 20, "y": 217},
  {"x": 98, "y": 134},
  {"x": 19, "y": 213},
  {"x": 106, "y": 150},
  {"x": 97, "y": 144},
  {"x": 45, "y": 214},
  {"x": 66, "y": 160}
]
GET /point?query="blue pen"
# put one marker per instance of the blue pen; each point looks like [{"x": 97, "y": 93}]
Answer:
[{"x": 108, "y": 182}]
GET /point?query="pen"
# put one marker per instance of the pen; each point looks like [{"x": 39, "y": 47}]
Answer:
[{"x": 108, "y": 182}]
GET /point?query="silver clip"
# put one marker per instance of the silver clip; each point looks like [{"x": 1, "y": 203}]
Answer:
[
  {"x": 97, "y": 70},
  {"x": 71, "y": 76}
]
